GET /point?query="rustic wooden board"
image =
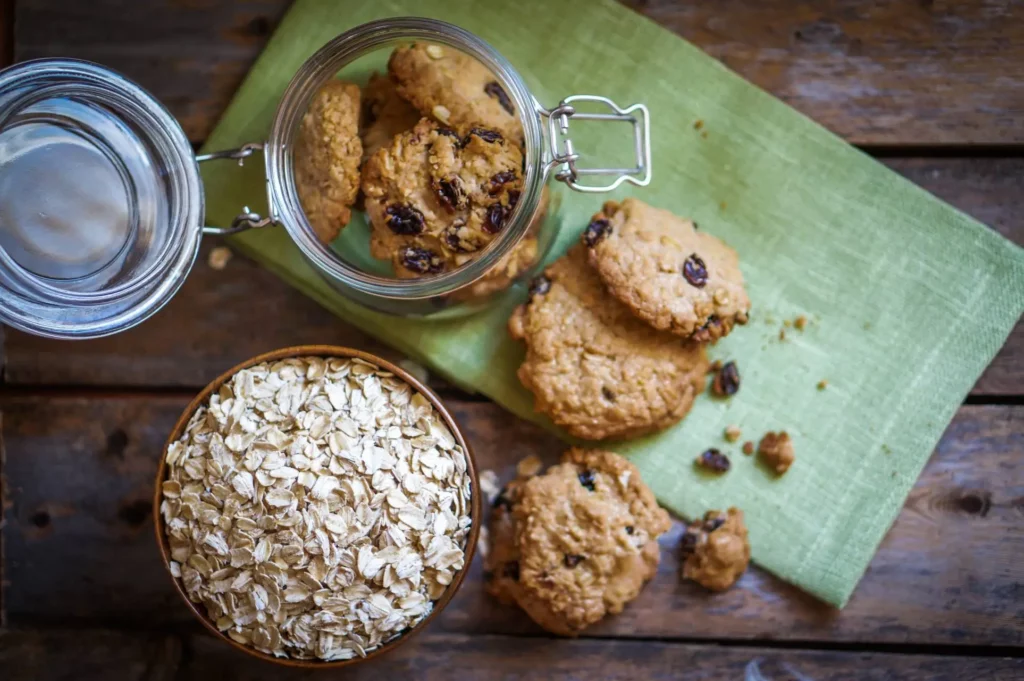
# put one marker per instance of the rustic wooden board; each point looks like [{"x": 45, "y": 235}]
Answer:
[
  {"x": 220, "y": 318},
  {"x": 101, "y": 655},
  {"x": 80, "y": 548},
  {"x": 892, "y": 73}
]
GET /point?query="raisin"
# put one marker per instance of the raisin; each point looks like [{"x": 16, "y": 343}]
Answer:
[
  {"x": 596, "y": 232},
  {"x": 714, "y": 460},
  {"x": 502, "y": 500},
  {"x": 689, "y": 541},
  {"x": 629, "y": 529},
  {"x": 727, "y": 381},
  {"x": 539, "y": 286},
  {"x": 608, "y": 394},
  {"x": 587, "y": 479},
  {"x": 748, "y": 447},
  {"x": 421, "y": 260},
  {"x": 511, "y": 570},
  {"x": 404, "y": 219},
  {"x": 450, "y": 133},
  {"x": 488, "y": 575},
  {"x": 450, "y": 193},
  {"x": 513, "y": 198},
  {"x": 695, "y": 271},
  {"x": 499, "y": 181},
  {"x": 496, "y": 216},
  {"x": 573, "y": 559},
  {"x": 495, "y": 90},
  {"x": 484, "y": 134},
  {"x": 712, "y": 524}
]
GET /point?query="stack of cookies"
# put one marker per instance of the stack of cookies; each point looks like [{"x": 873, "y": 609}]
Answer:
[
  {"x": 436, "y": 148},
  {"x": 616, "y": 329}
]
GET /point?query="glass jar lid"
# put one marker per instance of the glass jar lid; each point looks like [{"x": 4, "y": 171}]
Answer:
[{"x": 101, "y": 204}]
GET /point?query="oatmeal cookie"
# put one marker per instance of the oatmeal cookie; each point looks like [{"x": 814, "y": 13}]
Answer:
[
  {"x": 592, "y": 366},
  {"x": 715, "y": 550},
  {"x": 385, "y": 114},
  {"x": 454, "y": 89},
  {"x": 668, "y": 273},
  {"x": 327, "y": 156},
  {"x": 434, "y": 197},
  {"x": 576, "y": 543}
]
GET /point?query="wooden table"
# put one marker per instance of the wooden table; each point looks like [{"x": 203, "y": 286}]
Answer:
[{"x": 933, "y": 88}]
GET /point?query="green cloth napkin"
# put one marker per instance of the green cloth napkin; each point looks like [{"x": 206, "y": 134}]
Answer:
[{"x": 907, "y": 299}]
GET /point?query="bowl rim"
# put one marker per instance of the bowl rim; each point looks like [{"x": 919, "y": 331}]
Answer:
[{"x": 319, "y": 351}]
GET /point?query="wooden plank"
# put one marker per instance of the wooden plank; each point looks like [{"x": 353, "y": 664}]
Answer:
[
  {"x": 87, "y": 655},
  {"x": 101, "y": 655},
  {"x": 935, "y": 72},
  {"x": 80, "y": 549},
  {"x": 220, "y": 318}
]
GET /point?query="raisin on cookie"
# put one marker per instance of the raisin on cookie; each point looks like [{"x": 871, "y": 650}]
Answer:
[
  {"x": 454, "y": 89},
  {"x": 576, "y": 543},
  {"x": 434, "y": 198},
  {"x": 593, "y": 367},
  {"x": 715, "y": 550},
  {"x": 385, "y": 114},
  {"x": 327, "y": 156},
  {"x": 671, "y": 275}
]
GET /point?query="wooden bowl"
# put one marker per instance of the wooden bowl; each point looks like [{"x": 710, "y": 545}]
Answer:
[{"x": 319, "y": 351}]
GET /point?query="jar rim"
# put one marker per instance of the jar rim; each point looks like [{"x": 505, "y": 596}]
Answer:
[
  {"x": 38, "y": 307},
  {"x": 286, "y": 207}
]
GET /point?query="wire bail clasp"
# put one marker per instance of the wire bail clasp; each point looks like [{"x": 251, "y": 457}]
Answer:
[
  {"x": 564, "y": 158},
  {"x": 247, "y": 219}
]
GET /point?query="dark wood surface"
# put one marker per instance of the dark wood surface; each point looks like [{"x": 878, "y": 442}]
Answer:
[{"x": 934, "y": 87}]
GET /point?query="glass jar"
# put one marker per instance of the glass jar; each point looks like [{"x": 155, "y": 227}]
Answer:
[{"x": 116, "y": 229}]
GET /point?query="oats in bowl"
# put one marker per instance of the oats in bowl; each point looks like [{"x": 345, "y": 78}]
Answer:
[{"x": 316, "y": 507}]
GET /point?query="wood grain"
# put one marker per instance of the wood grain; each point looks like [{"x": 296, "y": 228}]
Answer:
[
  {"x": 892, "y": 73},
  {"x": 101, "y": 655},
  {"x": 220, "y": 318},
  {"x": 80, "y": 550}
]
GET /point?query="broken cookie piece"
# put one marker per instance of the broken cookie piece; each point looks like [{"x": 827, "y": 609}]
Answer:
[
  {"x": 715, "y": 550},
  {"x": 776, "y": 451}
]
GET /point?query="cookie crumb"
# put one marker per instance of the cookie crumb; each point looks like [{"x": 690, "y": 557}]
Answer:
[
  {"x": 219, "y": 257},
  {"x": 800, "y": 322},
  {"x": 776, "y": 451},
  {"x": 483, "y": 542},
  {"x": 748, "y": 447},
  {"x": 698, "y": 124},
  {"x": 782, "y": 334},
  {"x": 714, "y": 460},
  {"x": 727, "y": 381},
  {"x": 732, "y": 433},
  {"x": 867, "y": 326},
  {"x": 722, "y": 205},
  {"x": 715, "y": 550},
  {"x": 786, "y": 323},
  {"x": 489, "y": 485},
  {"x": 529, "y": 466},
  {"x": 704, "y": 134},
  {"x": 822, "y": 384}
]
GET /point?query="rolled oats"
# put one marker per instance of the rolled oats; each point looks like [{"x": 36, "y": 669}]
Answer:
[{"x": 316, "y": 508}]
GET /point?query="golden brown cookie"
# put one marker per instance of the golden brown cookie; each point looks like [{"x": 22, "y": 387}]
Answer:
[
  {"x": 385, "y": 114},
  {"x": 327, "y": 156},
  {"x": 434, "y": 198},
  {"x": 454, "y": 89},
  {"x": 671, "y": 275},
  {"x": 576, "y": 543},
  {"x": 593, "y": 367},
  {"x": 715, "y": 550}
]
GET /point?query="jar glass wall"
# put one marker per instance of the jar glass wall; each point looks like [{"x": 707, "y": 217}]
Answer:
[{"x": 466, "y": 282}]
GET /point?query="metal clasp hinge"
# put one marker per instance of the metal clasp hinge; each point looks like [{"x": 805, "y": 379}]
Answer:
[
  {"x": 564, "y": 156},
  {"x": 247, "y": 219}
]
